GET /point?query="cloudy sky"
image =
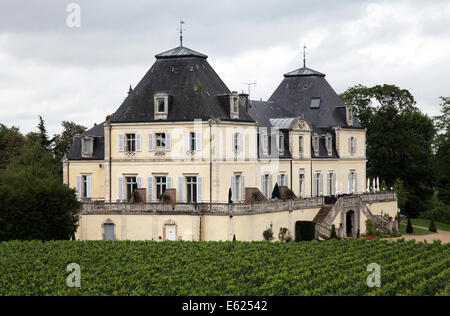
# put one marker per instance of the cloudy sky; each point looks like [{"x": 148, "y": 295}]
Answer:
[{"x": 82, "y": 74}]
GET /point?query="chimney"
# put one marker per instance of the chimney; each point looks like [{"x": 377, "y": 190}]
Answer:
[{"x": 243, "y": 100}]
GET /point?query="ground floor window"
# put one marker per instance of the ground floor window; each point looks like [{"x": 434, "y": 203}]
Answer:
[
  {"x": 132, "y": 186},
  {"x": 191, "y": 189}
]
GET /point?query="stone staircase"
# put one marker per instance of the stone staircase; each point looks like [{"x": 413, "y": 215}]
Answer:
[{"x": 323, "y": 213}]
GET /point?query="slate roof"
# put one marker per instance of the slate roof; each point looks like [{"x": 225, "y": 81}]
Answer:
[
  {"x": 263, "y": 111},
  {"x": 295, "y": 92},
  {"x": 98, "y": 132},
  {"x": 194, "y": 88}
]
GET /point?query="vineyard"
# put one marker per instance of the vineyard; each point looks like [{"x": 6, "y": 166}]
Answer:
[{"x": 224, "y": 268}]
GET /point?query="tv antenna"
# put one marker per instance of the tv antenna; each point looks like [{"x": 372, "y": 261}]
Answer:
[
  {"x": 181, "y": 32},
  {"x": 304, "y": 55},
  {"x": 249, "y": 84}
]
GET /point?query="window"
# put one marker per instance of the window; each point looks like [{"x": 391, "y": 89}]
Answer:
[
  {"x": 236, "y": 142},
  {"x": 349, "y": 115},
  {"x": 84, "y": 186},
  {"x": 131, "y": 142},
  {"x": 329, "y": 144},
  {"x": 161, "y": 186},
  {"x": 300, "y": 145},
  {"x": 192, "y": 141},
  {"x": 318, "y": 184},
  {"x": 352, "y": 182},
  {"x": 191, "y": 189},
  {"x": 132, "y": 186},
  {"x": 267, "y": 186},
  {"x": 109, "y": 231},
  {"x": 331, "y": 183},
  {"x": 315, "y": 103},
  {"x": 301, "y": 190},
  {"x": 235, "y": 105},
  {"x": 352, "y": 145},
  {"x": 160, "y": 141},
  {"x": 316, "y": 144},
  {"x": 161, "y": 105},
  {"x": 237, "y": 181},
  {"x": 266, "y": 144},
  {"x": 282, "y": 180},
  {"x": 281, "y": 143}
]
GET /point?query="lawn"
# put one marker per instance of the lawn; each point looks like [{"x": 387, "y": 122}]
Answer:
[
  {"x": 224, "y": 268},
  {"x": 426, "y": 223},
  {"x": 417, "y": 231}
]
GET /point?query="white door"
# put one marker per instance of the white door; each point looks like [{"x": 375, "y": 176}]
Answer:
[{"x": 171, "y": 232}]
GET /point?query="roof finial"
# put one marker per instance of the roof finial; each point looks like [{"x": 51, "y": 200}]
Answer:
[
  {"x": 181, "y": 32},
  {"x": 304, "y": 55}
]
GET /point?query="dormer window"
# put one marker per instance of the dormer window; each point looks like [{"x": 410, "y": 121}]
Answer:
[
  {"x": 349, "y": 115},
  {"x": 315, "y": 103},
  {"x": 329, "y": 144},
  {"x": 161, "y": 101},
  {"x": 315, "y": 144},
  {"x": 281, "y": 143},
  {"x": 234, "y": 105},
  {"x": 87, "y": 146}
]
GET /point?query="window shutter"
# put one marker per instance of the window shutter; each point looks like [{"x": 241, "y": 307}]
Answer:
[
  {"x": 242, "y": 188},
  {"x": 349, "y": 183},
  {"x": 150, "y": 189},
  {"x": 138, "y": 142},
  {"x": 263, "y": 185},
  {"x": 79, "y": 186},
  {"x": 187, "y": 146},
  {"x": 233, "y": 188},
  {"x": 316, "y": 184},
  {"x": 120, "y": 189},
  {"x": 350, "y": 145},
  {"x": 241, "y": 142},
  {"x": 270, "y": 186},
  {"x": 356, "y": 183},
  {"x": 169, "y": 182},
  {"x": 89, "y": 186},
  {"x": 334, "y": 184},
  {"x": 321, "y": 185},
  {"x": 286, "y": 181},
  {"x": 121, "y": 143},
  {"x": 199, "y": 189},
  {"x": 355, "y": 146},
  {"x": 180, "y": 189},
  {"x": 139, "y": 182},
  {"x": 198, "y": 141},
  {"x": 233, "y": 142},
  {"x": 279, "y": 180},
  {"x": 150, "y": 142},
  {"x": 168, "y": 142},
  {"x": 329, "y": 181}
]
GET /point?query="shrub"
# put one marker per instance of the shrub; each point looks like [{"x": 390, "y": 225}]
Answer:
[
  {"x": 432, "y": 227},
  {"x": 283, "y": 234},
  {"x": 268, "y": 234},
  {"x": 370, "y": 229},
  {"x": 136, "y": 197},
  {"x": 276, "y": 192},
  {"x": 333, "y": 232},
  {"x": 230, "y": 200},
  {"x": 409, "y": 227}
]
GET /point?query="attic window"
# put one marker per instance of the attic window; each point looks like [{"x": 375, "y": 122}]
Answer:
[
  {"x": 315, "y": 103},
  {"x": 161, "y": 101},
  {"x": 315, "y": 144},
  {"x": 87, "y": 146},
  {"x": 349, "y": 115},
  {"x": 329, "y": 144},
  {"x": 234, "y": 105}
]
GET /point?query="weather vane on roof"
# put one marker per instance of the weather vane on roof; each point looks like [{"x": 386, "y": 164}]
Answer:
[
  {"x": 181, "y": 32},
  {"x": 304, "y": 55}
]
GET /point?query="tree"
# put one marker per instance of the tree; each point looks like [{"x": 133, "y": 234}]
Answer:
[
  {"x": 402, "y": 194},
  {"x": 276, "y": 192},
  {"x": 432, "y": 227},
  {"x": 63, "y": 141},
  {"x": 333, "y": 234},
  {"x": 11, "y": 143},
  {"x": 230, "y": 195},
  {"x": 35, "y": 204},
  {"x": 399, "y": 140},
  {"x": 268, "y": 234},
  {"x": 442, "y": 156},
  {"x": 409, "y": 227},
  {"x": 45, "y": 141}
]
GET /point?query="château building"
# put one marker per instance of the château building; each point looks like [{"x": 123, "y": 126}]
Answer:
[{"x": 182, "y": 133}]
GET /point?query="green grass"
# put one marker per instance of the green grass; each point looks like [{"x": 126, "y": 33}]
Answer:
[
  {"x": 417, "y": 231},
  {"x": 426, "y": 223}
]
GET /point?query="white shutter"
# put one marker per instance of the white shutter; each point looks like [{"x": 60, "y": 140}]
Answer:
[
  {"x": 355, "y": 146},
  {"x": 263, "y": 185},
  {"x": 279, "y": 180},
  {"x": 241, "y": 142},
  {"x": 199, "y": 189},
  {"x": 316, "y": 179},
  {"x": 120, "y": 189},
  {"x": 138, "y": 142},
  {"x": 335, "y": 184},
  {"x": 169, "y": 182},
  {"x": 198, "y": 141},
  {"x": 233, "y": 143},
  {"x": 242, "y": 188},
  {"x": 150, "y": 190},
  {"x": 139, "y": 182},
  {"x": 321, "y": 185},
  {"x": 150, "y": 142},
  {"x": 356, "y": 183},
  {"x": 329, "y": 181},
  {"x": 286, "y": 181},
  {"x": 187, "y": 146},
  {"x": 89, "y": 186},
  {"x": 233, "y": 188},
  {"x": 270, "y": 186},
  {"x": 79, "y": 186},
  {"x": 349, "y": 183},
  {"x": 121, "y": 143},
  {"x": 180, "y": 189},
  {"x": 350, "y": 145},
  {"x": 168, "y": 142}
]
